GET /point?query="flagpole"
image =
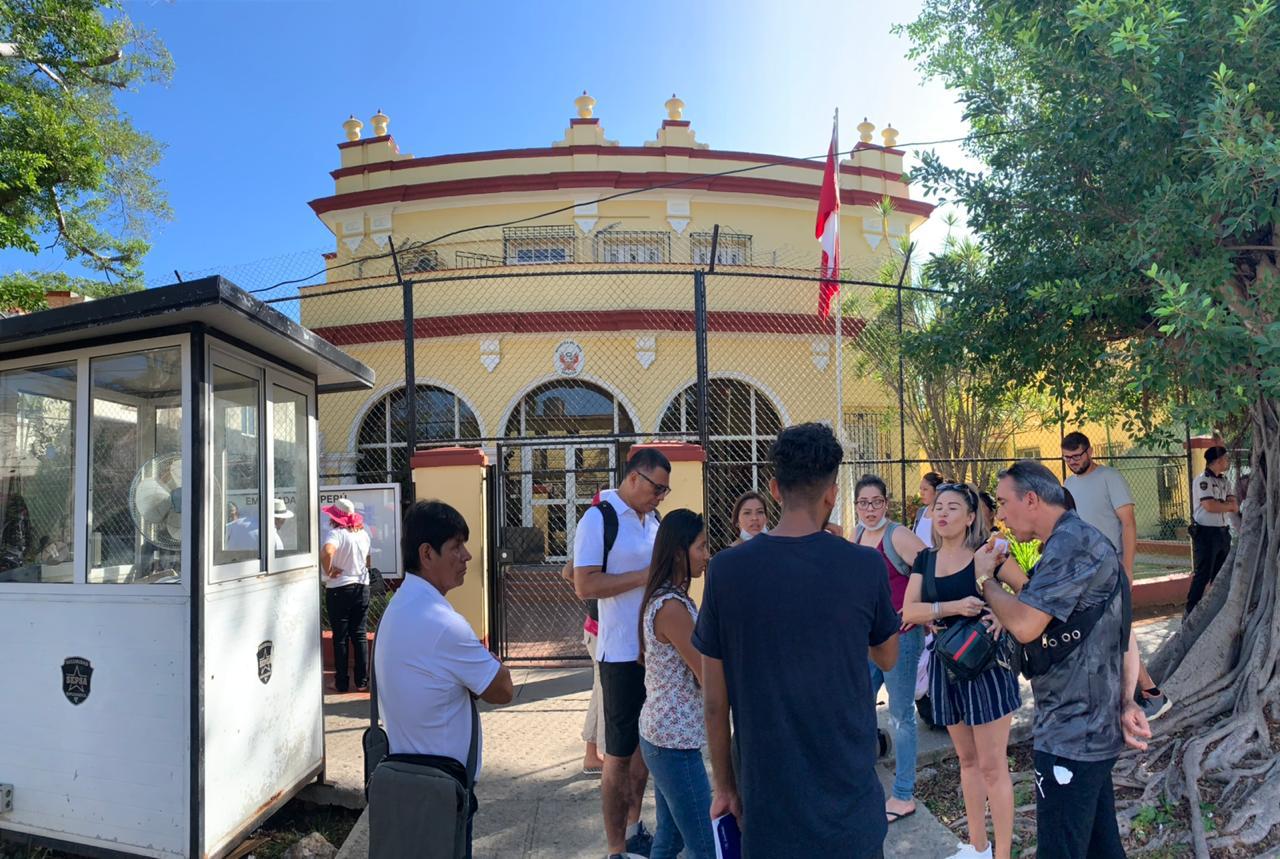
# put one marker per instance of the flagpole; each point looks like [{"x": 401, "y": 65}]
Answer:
[{"x": 839, "y": 333}]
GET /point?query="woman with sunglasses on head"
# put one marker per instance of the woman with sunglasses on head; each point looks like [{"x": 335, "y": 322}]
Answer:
[
  {"x": 750, "y": 516},
  {"x": 672, "y": 731},
  {"x": 978, "y": 712},
  {"x": 898, "y": 546}
]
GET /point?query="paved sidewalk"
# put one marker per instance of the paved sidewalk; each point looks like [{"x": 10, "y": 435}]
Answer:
[{"x": 534, "y": 802}]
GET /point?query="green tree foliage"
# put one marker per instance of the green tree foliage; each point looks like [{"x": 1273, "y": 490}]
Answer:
[
  {"x": 74, "y": 172},
  {"x": 1128, "y": 206}
]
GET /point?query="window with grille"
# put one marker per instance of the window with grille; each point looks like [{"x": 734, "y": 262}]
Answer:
[
  {"x": 864, "y": 441},
  {"x": 632, "y": 246},
  {"x": 537, "y": 245},
  {"x": 731, "y": 248}
]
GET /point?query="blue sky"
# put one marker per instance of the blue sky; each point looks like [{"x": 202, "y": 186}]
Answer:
[{"x": 254, "y": 111}]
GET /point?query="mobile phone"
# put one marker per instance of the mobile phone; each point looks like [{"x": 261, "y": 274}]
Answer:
[{"x": 1002, "y": 545}]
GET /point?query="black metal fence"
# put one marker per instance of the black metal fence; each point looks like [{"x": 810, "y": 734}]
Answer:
[{"x": 556, "y": 350}]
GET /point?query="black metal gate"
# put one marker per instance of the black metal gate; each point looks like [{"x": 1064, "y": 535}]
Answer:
[{"x": 539, "y": 490}]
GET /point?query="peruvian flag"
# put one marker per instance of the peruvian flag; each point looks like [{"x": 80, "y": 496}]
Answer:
[{"x": 827, "y": 230}]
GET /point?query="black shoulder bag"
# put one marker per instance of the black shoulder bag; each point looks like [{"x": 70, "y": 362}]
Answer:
[
  {"x": 966, "y": 647},
  {"x": 1060, "y": 638}
]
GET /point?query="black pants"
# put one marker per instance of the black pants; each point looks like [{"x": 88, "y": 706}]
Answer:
[
  {"x": 1209, "y": 548},
  {"x": 348, "y": 608},
  {"x": 1077, "y": 819}
]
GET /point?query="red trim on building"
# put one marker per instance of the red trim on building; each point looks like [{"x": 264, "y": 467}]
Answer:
[
  {"x": 675, "y": 451},
  {"x": 555, "y": 322},
  {"x": 330, "y": 255},
  {"x": 675, "y": 123},
  {"x": 443, "y": 457},
  {"x": 632, "y": 151},
  {"x": 601, "y": 179},
  {"x": 1203, "y": 442},
  {"x": 363, "y": 141},
  {"x": 580, "y": 121}
]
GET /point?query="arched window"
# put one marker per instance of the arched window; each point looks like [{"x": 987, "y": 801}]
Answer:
[
  {"x": 383, "y": 438},
  {"x": 568, "y": 407},
  {"x": 742, "y": 424}
]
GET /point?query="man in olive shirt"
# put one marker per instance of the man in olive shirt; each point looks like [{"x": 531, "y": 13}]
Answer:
[{"x": 1085, "y": 712}]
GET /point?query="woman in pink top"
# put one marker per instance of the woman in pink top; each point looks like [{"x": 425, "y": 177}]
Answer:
[{"x": 898, "y": 546}]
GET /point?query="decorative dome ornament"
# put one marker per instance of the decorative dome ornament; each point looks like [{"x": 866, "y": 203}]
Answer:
[
  {"x": 675, "y": 108},
  {"x": 379, "y": 121},
  {"x": 352, "y": 127},
  {"x": 864, "y": 130},
  {"x": 585, "y": 104},
  {"x": 890, "y": 135}
]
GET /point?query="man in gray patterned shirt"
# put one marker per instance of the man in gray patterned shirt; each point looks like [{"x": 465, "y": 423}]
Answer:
[{"x": 1085, "y": 711}]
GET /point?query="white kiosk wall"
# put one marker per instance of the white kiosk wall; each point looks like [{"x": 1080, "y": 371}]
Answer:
[
  {"x": 159, "y": 598},
  {"x": 96, "y": 738}
]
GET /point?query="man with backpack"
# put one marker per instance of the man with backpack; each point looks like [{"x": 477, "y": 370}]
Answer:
[{"x": 612, "y": 548}]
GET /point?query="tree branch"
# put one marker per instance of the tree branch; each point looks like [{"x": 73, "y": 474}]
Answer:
[{"x": 65, "y": 233}]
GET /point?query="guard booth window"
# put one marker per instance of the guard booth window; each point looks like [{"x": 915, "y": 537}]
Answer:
[
  {"x": 291, "y": 496},
  {"x": 135, "y": 468},
  {"x": 237, "y": 465},
  {"x": 37, "y": 474}
]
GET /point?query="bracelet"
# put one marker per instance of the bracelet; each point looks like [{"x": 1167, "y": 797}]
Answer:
[{"x": 937, "y": 610}]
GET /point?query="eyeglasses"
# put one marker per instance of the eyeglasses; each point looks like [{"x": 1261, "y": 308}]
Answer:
[
  {"x": 660, "y": 488},
  {"x": 871, "y": 503},
  {"x": 1075, "y": 457}
]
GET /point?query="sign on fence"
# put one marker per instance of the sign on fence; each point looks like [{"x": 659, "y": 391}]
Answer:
[{"x": 379, "y": 504}]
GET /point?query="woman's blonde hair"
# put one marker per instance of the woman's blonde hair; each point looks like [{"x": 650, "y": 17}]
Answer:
[{"x": 977, "y": 533}]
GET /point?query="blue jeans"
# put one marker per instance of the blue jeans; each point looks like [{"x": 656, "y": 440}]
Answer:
[
  {"x": 683, "y": 797},
  {"x": 901, "y": 681}
]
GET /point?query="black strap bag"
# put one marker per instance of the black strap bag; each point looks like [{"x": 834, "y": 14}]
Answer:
[
  {"x": 419, "y": 805},
  {"x": 965, "y": 646},
  {"x": 1060, "y": 638}
]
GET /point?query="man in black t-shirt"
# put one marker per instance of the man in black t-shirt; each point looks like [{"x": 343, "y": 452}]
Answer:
[{"x": 787, "y": 623}]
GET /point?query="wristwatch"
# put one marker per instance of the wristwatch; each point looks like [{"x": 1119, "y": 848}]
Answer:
[{"x": 982, "y": 580}]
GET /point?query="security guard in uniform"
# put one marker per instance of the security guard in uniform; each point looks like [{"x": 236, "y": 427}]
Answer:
[{"x": 1210, "y": 532}]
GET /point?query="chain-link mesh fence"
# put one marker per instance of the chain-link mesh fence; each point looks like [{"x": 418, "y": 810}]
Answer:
[{"x": 556, "y": 350}]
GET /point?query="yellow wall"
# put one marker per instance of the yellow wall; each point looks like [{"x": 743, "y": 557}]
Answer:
[{"x": 462, "y": 486}]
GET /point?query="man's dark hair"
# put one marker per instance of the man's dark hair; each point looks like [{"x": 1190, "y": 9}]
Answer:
[
  {"x": 1030, "y": 476},
  {"x": 434, "y": 523},
  {"x": 647, "y": 459},
  {"x": 805, "y": 459},
  {"x": 1214, "y": 453},
  {"x": 1075, "y": 441},
  {"x": 870, "y": 480}
]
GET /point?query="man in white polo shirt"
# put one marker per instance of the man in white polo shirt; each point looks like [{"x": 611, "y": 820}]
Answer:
[
  {"x": 428, "y": 660},
  {"x": 617, "y": 581}
]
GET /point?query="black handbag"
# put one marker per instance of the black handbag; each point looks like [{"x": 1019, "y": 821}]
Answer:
[
  {"x": 965, "y": 647},
  {"x": 1060, "y": 638}
]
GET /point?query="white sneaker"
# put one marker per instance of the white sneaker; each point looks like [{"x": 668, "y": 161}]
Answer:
[{"x": 966, "y": 851}]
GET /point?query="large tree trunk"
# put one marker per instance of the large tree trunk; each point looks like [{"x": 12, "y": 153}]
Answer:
[{"x": 1220, "y": 670}]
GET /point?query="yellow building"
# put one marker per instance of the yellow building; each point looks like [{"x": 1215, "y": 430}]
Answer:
[{"x": 580, "y": 323}]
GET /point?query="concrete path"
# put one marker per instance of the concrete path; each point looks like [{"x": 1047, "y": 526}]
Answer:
[{"x": 536, "y": 804}]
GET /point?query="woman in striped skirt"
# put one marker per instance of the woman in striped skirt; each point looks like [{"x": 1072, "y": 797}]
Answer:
[{"x": 978, "y": 712}]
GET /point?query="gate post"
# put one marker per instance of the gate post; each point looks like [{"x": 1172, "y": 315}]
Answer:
[{"x": 456, "y": 476}]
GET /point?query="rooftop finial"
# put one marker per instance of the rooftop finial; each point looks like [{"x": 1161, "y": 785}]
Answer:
[
  {"x": 890, "y": 135},
  {"x": 864, "y": 130},
  {"x": 379, "y": 121},
  {"x": 675, "y": 108},
  {"x": 352, "y": 127},
  {"x": 585, "y": 105}
]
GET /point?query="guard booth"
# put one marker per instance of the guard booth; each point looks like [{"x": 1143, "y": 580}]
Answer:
[{"x": 159, "y": 607}]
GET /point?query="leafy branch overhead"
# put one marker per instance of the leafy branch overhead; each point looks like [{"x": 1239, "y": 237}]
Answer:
[
  {"x": 1128, "y": 199},
  {"x": 74, "y": 172}
]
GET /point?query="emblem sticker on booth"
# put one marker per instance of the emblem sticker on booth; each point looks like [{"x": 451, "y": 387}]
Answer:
[
  {"x": 77, "y": 673},
  {"x": 264, "y": 661}
]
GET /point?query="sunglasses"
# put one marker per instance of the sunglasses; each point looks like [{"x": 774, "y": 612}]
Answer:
[
  {"x": 964, "y": 489},
  {"x": 660, "y": 488}
]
